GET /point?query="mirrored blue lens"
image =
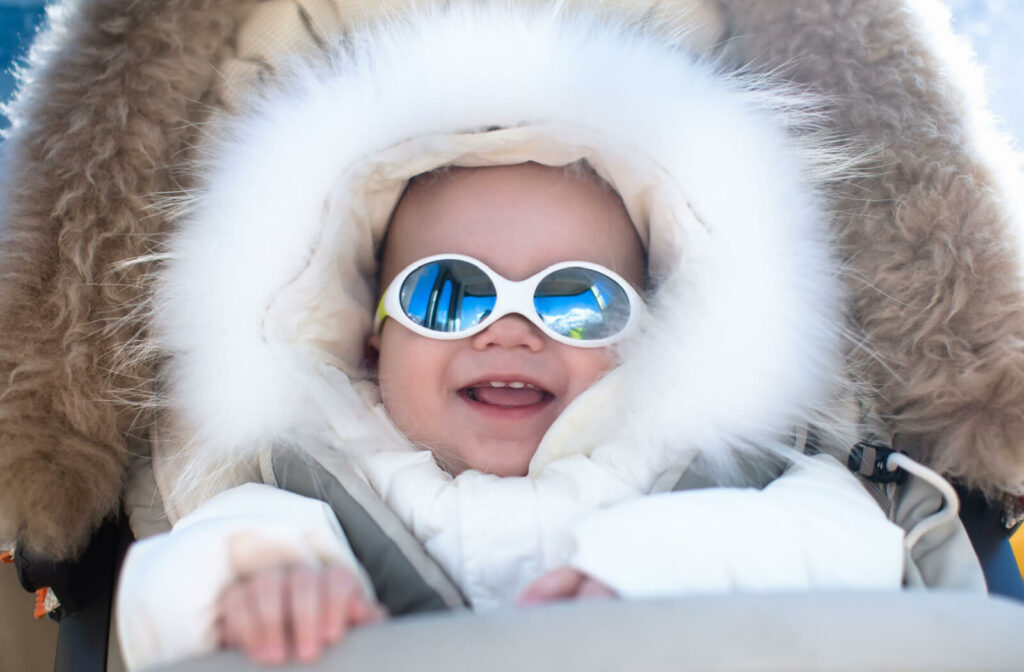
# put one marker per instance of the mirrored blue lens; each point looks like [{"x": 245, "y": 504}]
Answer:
[
  {"x": 447, "y": 295},
  {"x": 582, "y": 304}
]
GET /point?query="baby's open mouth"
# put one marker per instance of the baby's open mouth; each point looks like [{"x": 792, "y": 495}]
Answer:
[{"x": 506, "y": 394}]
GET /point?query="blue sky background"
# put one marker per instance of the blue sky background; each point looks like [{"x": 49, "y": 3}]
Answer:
[
  {"x": 994, "y": 28},
  {"x": 18, "y": 21}
]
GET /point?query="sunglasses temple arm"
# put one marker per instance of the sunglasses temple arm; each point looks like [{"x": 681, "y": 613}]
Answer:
[{"x": 382, "y": 313}]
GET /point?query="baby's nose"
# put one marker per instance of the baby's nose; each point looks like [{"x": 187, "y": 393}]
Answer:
[{"x": 511, "y": 331}]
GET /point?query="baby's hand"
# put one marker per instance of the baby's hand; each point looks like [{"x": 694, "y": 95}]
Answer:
[
  {"x": 564, "y": 583},
  {"x": 292, "y": 612}
]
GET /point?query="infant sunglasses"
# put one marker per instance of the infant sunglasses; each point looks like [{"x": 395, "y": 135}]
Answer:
[{"x": 451, "y": 296}]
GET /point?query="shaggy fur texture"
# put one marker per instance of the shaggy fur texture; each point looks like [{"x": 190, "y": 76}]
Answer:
[
  {"x": 103, "y": 115},
  {"x": 933, "y": 263},
  {"x": 105, "y": 111}
]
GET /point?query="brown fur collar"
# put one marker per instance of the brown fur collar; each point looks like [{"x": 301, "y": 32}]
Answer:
[
  {"x": 106, "y": 111},
  {"x": 933, "y": 266}
]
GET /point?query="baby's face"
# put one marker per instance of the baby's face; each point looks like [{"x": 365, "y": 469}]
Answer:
[{"x": 518, "y": 220}]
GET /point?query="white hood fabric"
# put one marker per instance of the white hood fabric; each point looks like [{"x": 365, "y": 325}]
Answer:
[{"x": 268, "y": 290}]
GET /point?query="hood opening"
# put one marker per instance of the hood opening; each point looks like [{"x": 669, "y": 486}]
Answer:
[{"x": 335, "y": 294}]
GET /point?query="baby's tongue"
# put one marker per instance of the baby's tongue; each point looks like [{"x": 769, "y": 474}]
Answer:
[{"x": 508, "y": 396}]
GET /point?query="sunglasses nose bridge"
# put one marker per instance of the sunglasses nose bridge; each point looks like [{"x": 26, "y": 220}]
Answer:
[
  {"x": 514, "y": 319},
  {"x": 516, "y": 298},
  {"x": 520, "y": 297}
]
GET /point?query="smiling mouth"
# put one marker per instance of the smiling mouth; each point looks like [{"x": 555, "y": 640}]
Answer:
[{"x": 506, "y": 394}]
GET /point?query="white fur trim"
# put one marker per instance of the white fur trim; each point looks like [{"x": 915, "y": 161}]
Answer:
[{"x": 274, "y": 253}]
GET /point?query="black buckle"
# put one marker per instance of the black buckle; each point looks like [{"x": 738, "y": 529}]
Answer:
[{"x": 869, "y": 460}]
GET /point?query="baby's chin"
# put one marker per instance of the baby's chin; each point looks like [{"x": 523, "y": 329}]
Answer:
[{"x": 501, "y": 457}]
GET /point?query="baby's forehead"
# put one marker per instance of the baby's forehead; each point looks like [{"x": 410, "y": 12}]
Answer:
[{"x": 518, "y": 219}]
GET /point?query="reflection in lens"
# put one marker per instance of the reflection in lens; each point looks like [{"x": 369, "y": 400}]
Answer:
[
  {"x": 447, "y": 295},
  {"x": 582, "y": 304}
]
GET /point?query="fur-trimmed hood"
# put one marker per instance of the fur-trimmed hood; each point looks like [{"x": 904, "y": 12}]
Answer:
[
  {"x": 263, "y": 301},
  {"x": 924, "y": 231}
]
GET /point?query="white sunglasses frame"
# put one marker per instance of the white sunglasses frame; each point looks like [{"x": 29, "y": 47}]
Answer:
[{"x": 512, "y": 297}]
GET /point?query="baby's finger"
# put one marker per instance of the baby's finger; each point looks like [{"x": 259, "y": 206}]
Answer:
[
  {"x": 363, "y": 611},
  {"x": 341, "y": 586},
  {"x": 305, "y": 608},
  {"x": 241, "y": 618},
  {"x": 266, "y": 589},
  {"x": 557, "y": 584},
  {"x": 367, "y": 611},
  {"x": 234, "y": 620},
  {"x": 378, "y": 612},
  {"x": 591, "y": 587}
]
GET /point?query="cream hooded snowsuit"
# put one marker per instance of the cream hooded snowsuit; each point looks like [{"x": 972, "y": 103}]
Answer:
[{"x": 739, "y": 351}]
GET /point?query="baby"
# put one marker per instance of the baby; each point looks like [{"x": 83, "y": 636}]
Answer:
[
  {"x": 483, "y": 401},
  {"x": 531, "y": 453}
]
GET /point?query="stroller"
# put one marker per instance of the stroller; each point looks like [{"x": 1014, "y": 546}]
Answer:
[{"x": 115, "y": 102}]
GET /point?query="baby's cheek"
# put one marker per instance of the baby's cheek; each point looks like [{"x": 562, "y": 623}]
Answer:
[
  {"x": 411, "y": 373},
  {"x": 584, "y": 366}
]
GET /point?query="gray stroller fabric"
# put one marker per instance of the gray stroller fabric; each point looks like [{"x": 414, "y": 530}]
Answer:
[
  {"x": 405, "y": 578},
  {"x": 842, "y": 632}
]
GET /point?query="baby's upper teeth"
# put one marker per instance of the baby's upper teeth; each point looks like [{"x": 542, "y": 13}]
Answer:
[{"x": 515, "y": 384}]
